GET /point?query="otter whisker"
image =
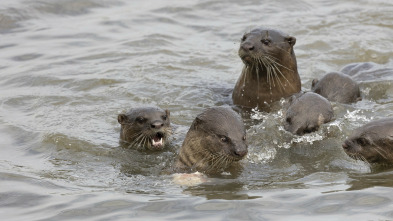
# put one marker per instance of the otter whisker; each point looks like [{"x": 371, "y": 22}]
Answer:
[
  {"x": 277, "y": 77},
  {"x": 275, "y": 65},
  {"x": 380, "y": 151},
  {"x": 277, "y": 62}
]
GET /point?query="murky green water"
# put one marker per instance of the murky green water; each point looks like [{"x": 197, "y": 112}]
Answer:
[{"x": 69, "y": 67}]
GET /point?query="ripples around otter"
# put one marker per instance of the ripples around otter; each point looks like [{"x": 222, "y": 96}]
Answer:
[{"x": 69, "y": 68}]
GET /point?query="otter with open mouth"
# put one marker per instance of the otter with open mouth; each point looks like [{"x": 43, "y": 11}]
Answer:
[
  {"x": 146, "y": 127},
  {"x": 372, "y": 143}
]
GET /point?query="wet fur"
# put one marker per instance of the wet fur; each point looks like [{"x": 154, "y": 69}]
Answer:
[
  {"x": 270, "y": 69},
  {"x": 215, "y": 141},
  {"x": 136, "y": 127},
  {"x": 372, "y": 143},
  {"x": 337, "y": 87},
  {"x": 306, "y": 112}
]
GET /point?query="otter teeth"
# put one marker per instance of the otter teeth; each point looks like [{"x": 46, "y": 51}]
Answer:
[{"x": 157, "y": 141}]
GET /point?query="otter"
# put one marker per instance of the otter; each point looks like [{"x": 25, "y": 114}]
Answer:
[
  {"x": 372, "y": 142},
  {"x": 145, "y": 127},
  {"x": 306, "y": 112},
  {"x": 214, "y": 143},
  {"x": 270, "y": 69},
  {"x": 337, "y": 87}
]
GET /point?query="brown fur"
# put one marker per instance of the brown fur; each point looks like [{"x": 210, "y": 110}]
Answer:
[
  {"x": 337, "y": 87},
  {"x": 306, "y": 113},
  {"x": 270, "y": 69},
  {"x": 215, "y": 141},
  {"x": 144, "y": 127},
  {"x": 372, "y": 142}
]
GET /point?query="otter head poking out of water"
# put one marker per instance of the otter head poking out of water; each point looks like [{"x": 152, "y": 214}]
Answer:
[
  {"x": 270, "y": 69},
  {"x": 337, "y": 87},
  {"x": 307, "y": 112},
  {"x": 372, "y": 142},
  {"x": 147, "y": 127},
  {"x": 215, "y": 141}
]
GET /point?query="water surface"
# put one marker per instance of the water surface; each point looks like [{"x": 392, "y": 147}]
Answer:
[{"x": 68, "y": 68}]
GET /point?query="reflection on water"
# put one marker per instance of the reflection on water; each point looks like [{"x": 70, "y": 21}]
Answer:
[{"x": 68, "y": 68}]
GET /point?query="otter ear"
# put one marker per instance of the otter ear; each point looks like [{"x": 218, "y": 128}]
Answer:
[
  {"x": 122, "y": 118},
  {"x": 292, "y": 99},
  {"x": 314, "y": 82},
  {"x": 291, "y": 40},
  {"x": 197, "y": 122},
  {"x": 168, "y": 113}
]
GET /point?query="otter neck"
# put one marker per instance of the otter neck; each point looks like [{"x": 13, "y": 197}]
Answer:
[
  {"x": 276, "y": 76},
  {"x": 258, "y": 85},
  {"x": 281, "y": 81}
]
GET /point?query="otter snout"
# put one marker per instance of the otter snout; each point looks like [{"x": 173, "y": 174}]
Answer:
[
  {"x": 157, "y": 124},
  {"x": 345, "y": 145},
  {"x": 241, "y": 153},
  {"x": 247, "y": 46},
  {"x": 240, "y": 150}
]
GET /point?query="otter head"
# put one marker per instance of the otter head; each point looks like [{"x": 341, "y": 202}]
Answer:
[
  {"x": 270, "y": 70},
  {"x": 145, "y": 127},
  {"x": 372, "y": 143},
  {"x": 215, "y": 140},
  {"x": 337, "y": 87},
  {"x": 267, "y": 47},
  {"x": 305, "y": 114},
  {"x": 223, "y": 131}
]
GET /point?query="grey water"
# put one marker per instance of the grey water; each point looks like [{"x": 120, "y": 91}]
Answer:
[{"x": 69, "y": 67}]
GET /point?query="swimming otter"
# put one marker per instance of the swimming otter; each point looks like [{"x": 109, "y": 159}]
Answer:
[
  {"x": 270, "y": 69},
  {"x": 337, "y": 87},
  {"x": 147, "y": 127},
  {"x": 306, "y": 112},
  {"x": 214, "y": 142},
  {"x": 372, "y": 142}
]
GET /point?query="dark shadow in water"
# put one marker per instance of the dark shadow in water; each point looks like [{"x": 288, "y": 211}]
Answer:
[
  {"x": 220, "y": 189},
  {"x": 145, "y": 162},
  {"x": 382, "y": 175}
]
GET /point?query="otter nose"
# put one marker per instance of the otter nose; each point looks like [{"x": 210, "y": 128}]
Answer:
[
  {"x": 241, "y": 153},
  {"x": 240, "y": 150},
  {"x": 345, "y": 146},
  {"x": 247, "y": 46},
  {"x": 157, "y": 125}
]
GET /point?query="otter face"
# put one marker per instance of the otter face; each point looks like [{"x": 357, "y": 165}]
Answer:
[
  {"x": 216, "y": 139},
  {"x": 307, "y": 113},
  {"x": 145, "y": 127},
  {"x": 372, "y": 143},
  {"x": 262, "y": 45},
  {"x": 224, "y": 133},
  {"x": 228, "y": 146},
  {"x": 363, "y": 148}
]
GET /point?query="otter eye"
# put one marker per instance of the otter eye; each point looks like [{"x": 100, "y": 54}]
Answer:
[
  {"x": 289, "y": 120},
  {"x": 362, "y": 141},
  {"x": 164, "y": 117},
  {"x": 265, "y": 41},
  {"x": 224, "y": 139},
  {"x": 140, "y": 120}
]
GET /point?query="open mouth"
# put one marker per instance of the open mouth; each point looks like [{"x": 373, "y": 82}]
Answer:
[{"x": 157, "y": 140}]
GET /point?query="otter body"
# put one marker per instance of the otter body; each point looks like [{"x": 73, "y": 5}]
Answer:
[
  {"x": 337, "y": 87},
  {"x": 306, "y": 112},
  {"x": 372, "y": 142},
  {"x": 147, "y": 127},
  {"x": 270, "y": 69},
  {"x": 215, "y": 141}
]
